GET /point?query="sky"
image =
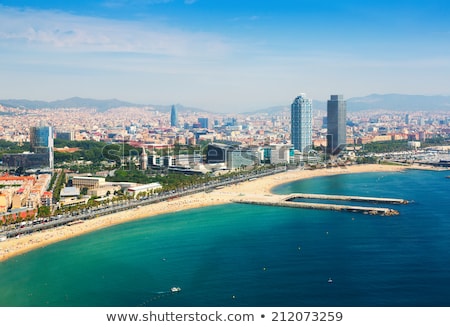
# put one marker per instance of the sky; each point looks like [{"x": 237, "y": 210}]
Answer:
[{"x": 222, "y": 55}]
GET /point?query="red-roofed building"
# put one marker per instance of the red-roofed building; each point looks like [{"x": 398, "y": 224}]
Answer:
[{"x": 46, "y": 198}]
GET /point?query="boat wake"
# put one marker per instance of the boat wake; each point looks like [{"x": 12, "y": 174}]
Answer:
[{"x": 160, "y": 295}]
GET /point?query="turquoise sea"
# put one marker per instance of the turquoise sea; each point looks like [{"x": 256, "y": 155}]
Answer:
[{"x": 246, "y": 255}]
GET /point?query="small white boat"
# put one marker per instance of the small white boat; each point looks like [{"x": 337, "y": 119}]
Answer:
[
  {"x": 175, "y": 289},
  {"x": 330, "y": 280}
]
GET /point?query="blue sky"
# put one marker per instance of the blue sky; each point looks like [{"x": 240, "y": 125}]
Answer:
[{"x": 219, "y": 55}]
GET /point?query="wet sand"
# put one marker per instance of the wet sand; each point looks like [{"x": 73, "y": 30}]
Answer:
[{"x": 261, "y": 186}]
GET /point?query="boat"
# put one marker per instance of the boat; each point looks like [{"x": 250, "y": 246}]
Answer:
[
  {"x": 330, "y": 280},
  {"x": 175, "y": 289}
]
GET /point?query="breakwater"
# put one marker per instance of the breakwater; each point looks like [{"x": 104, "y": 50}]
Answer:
[
  {"x": 286, "y": 201},
  {"x": 344, "y": 198}
]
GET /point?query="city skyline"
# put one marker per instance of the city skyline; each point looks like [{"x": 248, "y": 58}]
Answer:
[{"x": 222, "y": 56}]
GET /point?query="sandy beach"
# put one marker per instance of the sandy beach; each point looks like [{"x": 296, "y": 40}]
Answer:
[{"x": 261, "y": 186}]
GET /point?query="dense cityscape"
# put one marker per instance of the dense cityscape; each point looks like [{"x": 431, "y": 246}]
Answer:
[
  {"x": 224, "y": 161},
  {"x": 82, "y": 157}
]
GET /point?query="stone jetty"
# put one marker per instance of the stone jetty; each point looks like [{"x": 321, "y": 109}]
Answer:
[{"x": 287, "y": 201}]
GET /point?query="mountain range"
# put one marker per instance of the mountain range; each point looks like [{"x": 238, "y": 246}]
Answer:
[
  {"x": 390, "y": 102},
  {"x": 74, "y": 102},
  {"x": 77, "y": 102},
  {"x": 400, "y": 102}
]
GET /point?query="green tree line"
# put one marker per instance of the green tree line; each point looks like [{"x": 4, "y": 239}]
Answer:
[{"x": 13, "y": 147}]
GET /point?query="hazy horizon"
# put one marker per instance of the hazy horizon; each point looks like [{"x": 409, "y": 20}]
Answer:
[
  {"x": 385, "y": 102},
  {"x": 222, "y": 56}
]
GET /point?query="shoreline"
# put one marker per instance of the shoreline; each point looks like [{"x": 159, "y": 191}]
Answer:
[{"x": 261, "y": 186}]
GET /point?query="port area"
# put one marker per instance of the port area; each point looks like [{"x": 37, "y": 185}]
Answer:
[{"x": 288, "y": 201}]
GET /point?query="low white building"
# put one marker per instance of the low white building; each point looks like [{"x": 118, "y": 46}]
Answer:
[
  {"x": 70, "y": 192},
  {"x": 414, "y": 144},
  {"x": 87, "y": 182},
  {"x": 146, "y": 188},
  {"x": 104, "y": 190}
]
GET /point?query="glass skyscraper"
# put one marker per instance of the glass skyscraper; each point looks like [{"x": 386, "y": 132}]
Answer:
[
  {"x": 203, "y": 122},
  {"x": 173, "y": 117},
  {"x": 41, "y": 142},
  {"x": 336, "y": 124},
  {"x": 301, "y": 123}
]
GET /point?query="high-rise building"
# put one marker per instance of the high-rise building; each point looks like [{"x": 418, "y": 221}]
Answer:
[
  {"x": 301, "y": 123},
  {"x": 173, "y": 117},
  {"x": 144, "y": 159},
  {"x": 204, "y": 123},
  {"x": 65, "y": 135},
  {"x": 336, "y": 124},
  {"x": 41, "y": 142}
]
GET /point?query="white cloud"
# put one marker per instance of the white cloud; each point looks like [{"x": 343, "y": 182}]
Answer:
[
  {"x": 56, "y": 54},
  {"x": 66, "y": 32},
  {"x": 245, "y": 18},
  {"x": 124, "y": 3}
]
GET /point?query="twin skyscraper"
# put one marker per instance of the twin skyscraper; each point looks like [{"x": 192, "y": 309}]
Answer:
[{"x": 301, "y": 124}]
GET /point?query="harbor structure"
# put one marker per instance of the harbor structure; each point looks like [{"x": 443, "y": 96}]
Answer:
[{"x": 289, "y": 201}]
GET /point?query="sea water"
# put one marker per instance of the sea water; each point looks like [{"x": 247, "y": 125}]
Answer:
[{"x": 247, "y": 255}]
